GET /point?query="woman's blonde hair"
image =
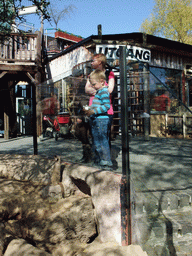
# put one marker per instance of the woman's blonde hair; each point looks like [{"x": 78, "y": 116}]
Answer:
[
  {"x": 97, "y": 74},
  {"x": 101, "y": 57}
]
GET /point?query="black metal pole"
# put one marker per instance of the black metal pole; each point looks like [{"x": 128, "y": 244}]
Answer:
[
  {"x": 125, "y": 193},
  {"x": 34, "y": 119}
]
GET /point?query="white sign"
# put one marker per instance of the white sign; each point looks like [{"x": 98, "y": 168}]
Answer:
[
  {"x": 28, "y": 10},
  {"x": 132, "y": 52}
]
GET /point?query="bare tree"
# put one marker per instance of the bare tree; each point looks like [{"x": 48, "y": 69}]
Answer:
[{"x": 57, "y": 15}]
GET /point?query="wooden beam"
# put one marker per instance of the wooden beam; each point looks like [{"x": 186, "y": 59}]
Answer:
[
  {"x": 13, "y": 68},
  {"x": 31, "y": 78},
  {"x": 2, "y": 74},
  {"x": 9, "y": 61}
]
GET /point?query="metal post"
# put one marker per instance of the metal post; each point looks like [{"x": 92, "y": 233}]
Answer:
[
  {"x": 34, "y": 119},
  {"x": 125, "y": 193}
]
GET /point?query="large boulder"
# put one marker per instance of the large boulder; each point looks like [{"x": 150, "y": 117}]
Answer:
[
  {"x": 46, "y": 209},
  {"x": 46, "y": 224},
  {"x": 33, "y": 168},
  {"x": 98, "y": 249},
  {"x": 18, "y": 247},
  {"x": 104, "y": 188}
]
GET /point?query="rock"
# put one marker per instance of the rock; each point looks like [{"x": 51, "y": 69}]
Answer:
[
  {"x": 19, "y": 198},
  {"x": 105, "y": 193},
  {"x": 56, "y": 174},
  {"x": 34, "y": 209},
  {"x": 54, "y": 193},
  {"x": 71, "y": 219},
  {"x": 112, "y": 249},
  {"x": 98, "y": 249},
  {"x": 104, "y": 188},
  {"x": 68, "y": 184},
  {"x": 33, "y": 168},
  {"x": 19, "y": 247},
  {"x": 2, "y": 238},
  {"x": 70, "y": 249},
  {"x": 45, "y": 222}
]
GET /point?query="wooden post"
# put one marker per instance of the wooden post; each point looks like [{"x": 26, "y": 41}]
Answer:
[
  {"x": 146, "y": 104},
  {"x": 6, "y": 126},
  {"x": 38, "y": 96},
  {"x": 10, "y": 110},
  {"x": 38, "y": 81},
  {"x": 99, "y": 28}
]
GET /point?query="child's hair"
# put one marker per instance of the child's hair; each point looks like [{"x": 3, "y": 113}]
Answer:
[
  {"x": 97, "y": 74},
  {"x": 101, "y": 58}
]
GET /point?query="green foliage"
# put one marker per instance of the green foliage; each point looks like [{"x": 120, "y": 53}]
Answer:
[
  {"x": 9, "y": 13},
  {"x": 170, "y": 19}
]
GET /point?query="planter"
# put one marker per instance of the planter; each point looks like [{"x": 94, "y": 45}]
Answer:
[{"x": 68, "y": 37}]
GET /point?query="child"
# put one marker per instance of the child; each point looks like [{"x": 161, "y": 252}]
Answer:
[
  {"x": 100, "y": 62},
  {"x": 99, "y": 118}
]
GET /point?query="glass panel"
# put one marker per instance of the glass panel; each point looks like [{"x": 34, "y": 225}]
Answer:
[{"x": 165, "y": 90}]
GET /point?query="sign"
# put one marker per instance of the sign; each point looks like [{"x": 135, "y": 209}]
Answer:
[
  {"x": 132, "y": 52},
  {"x": 28, "y": 10}
]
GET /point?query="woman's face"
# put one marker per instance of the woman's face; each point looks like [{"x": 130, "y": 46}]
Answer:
[{"x": 95, "y": 63}]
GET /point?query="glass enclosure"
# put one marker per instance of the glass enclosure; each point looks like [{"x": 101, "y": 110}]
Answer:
[{"x": 165, "y": 90}]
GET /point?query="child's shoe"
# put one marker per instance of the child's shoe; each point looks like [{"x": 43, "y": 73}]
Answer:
[{"x": 106, "y": 165}]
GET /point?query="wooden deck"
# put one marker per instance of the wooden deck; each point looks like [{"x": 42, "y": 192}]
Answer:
[
  {"x": 20, "y": 60},
  {"x": 20, "y": 52}
]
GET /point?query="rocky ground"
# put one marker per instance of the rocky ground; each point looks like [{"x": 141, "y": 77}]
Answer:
[
  {"x": 42, "y": 223},
  {"x": 37, "y": 217},
  {"x": 37, "y": 212}
]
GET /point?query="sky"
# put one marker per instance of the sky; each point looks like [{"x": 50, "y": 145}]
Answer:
[{"x": 115, "y": 16}]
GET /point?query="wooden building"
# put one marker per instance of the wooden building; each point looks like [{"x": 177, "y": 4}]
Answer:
[
  {"x": 159, "y": 78},
  {"x": 159, "y": 73},
  {"x": 20, "y": 60}
]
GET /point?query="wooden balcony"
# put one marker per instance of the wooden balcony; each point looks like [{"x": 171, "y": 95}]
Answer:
[{"x": 20, "y": 52}]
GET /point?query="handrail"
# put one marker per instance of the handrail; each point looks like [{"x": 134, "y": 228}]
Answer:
[{"x": 19, "y": 48}]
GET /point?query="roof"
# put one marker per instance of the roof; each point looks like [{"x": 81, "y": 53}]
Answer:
[{"x": 136, "y": 38}]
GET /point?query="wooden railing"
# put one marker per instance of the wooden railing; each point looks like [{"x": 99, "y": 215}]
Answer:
[
  {"x": 179, "y": 124},
  {"x": 19, "y": 48},
  {"x": 171, "y": 125}
]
